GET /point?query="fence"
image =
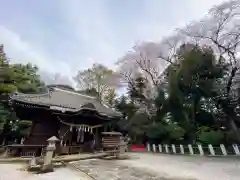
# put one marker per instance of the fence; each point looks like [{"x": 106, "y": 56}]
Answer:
[
  {"x": 27, "y": 154},
  {"x": 207, "y": 150}
]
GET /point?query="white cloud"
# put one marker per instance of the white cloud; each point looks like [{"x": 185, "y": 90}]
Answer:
[
  {"x": 89, "y": 23},
  {"x": 97, "y": 36},
  {"x": 21, "y": 51}
]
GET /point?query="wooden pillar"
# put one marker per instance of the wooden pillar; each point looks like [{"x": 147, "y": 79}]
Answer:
[{"x": 97, "y": 137}]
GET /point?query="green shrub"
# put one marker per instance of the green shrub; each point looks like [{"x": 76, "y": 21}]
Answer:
[
  {"x": 211, "y": 137},
  {"x": 231, "y": 137}
]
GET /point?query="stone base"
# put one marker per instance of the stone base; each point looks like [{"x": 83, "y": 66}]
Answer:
[
  {"x": 39, "y": 161},
  {"x": 36, "y": 168},
  {"x": 47, "y": 168},
  {"x": 120, "y": 157},
  {"x": 57, "y": 165}
]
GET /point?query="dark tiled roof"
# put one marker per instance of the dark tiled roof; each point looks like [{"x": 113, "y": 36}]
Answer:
[{"x": 69, "y": 100}]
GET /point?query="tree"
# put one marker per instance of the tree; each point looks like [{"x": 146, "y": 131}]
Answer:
[
  {"x": 220, "y": 30},
  {"x": 6, "y": 86},
  {"x": 126, "y": 107},
  {"x": 136, "y": 89},
  {"x": 109, "y": 97},
  {"x": 150, "y": 59},
  {"x": 15, "y": 77},
  {"x": 6, "y": 78},
  {"x": 97, "y": 77},
  {"x": 193, "y": 81},
  {"x": 27, "y": 78},
  {"x": 193, "y": 75},
  {"x": 137, "y": 125}
]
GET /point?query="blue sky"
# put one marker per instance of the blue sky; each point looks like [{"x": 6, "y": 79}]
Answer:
[{"x": 68, "y": 35}]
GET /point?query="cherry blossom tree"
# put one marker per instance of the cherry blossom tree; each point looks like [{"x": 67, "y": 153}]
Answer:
[{"x": 98, "y": 77}]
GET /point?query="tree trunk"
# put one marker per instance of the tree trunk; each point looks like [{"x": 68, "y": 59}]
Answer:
[
  {"x": 3, "y": 141},
  {"x": 235, "y": 129}
]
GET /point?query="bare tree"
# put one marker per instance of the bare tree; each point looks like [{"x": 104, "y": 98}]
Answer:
[
  {"x": 149, "y": 59},
  {"x": 109, "y": 97},
  {"x": 98, "y": 77},
  {"x": 221, "y": 30}
]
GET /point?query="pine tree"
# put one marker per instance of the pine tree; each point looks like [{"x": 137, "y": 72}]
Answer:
[
  {"x": 6, "y": 74},
  {"x": 6, "y": 86}
]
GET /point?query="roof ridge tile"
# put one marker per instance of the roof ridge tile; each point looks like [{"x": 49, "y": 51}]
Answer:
[{"x": 76, "y": 93}]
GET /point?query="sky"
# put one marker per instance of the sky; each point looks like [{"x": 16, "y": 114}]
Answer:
[{"x": 64, "y": 36}]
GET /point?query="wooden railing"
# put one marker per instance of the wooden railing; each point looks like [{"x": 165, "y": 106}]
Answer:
[
  {"x": 73, "y": 149},
  {"x": 23, "y": 150},
  {"x": 110, "y": 143},
  {"x": 27, "y": 154}
]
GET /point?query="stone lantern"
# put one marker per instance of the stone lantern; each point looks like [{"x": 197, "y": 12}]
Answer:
[{"x": 47, "y": 166}]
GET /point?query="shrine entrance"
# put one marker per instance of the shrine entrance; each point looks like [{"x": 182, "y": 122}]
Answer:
[{"x": 79, "y": 138}]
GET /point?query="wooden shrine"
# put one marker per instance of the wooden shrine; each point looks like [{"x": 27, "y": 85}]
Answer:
[{"x": 77, "y": 120}]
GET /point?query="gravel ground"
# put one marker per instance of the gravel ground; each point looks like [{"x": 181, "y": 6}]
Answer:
[
  {"x": 195, "y": 167},
  {"x": 14, "y": 172},
  {"x": 146, "y": 166},
  {"x": 141, "y": 166},
  {"x": 113, "y": 170}
]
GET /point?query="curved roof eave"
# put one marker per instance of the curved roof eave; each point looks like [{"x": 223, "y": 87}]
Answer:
[{"x": 68, "y": 109}]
